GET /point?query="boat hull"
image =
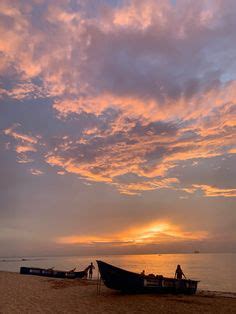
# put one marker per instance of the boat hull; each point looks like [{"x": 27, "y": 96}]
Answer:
[
  {"x": 129, "y": 282},
  {"x": 52, "y": 273}
]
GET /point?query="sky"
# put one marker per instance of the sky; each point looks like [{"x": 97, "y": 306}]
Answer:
[{"x": 117, "y": 127}]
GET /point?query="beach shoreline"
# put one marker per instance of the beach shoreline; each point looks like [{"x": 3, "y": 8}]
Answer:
[{"x": 33, "y": 294}]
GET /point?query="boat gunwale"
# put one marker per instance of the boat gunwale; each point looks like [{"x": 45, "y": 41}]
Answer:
[{"x": 145, "y": 276}]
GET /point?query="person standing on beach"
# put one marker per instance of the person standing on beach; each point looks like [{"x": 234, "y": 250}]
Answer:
[
  {"x": 90, "y": 270},
  {"x": 179, "y": 273}
]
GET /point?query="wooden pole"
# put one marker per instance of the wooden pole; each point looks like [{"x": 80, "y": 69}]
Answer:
[{"x": 99, "y": 281}]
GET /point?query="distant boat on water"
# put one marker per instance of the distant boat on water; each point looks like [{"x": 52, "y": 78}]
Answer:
[{"x": 127, "y": 281}]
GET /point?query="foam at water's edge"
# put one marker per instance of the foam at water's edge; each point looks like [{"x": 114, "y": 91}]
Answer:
[{"x": 209, "y": 293}]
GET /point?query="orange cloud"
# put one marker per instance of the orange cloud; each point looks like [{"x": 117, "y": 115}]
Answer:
[
  {"x": 136, "y": 188},
  {"x": 20, "y": 136},
  {"x": 151, "y": 109},
  {"x": 211, "y": 191},
  {"x": 197, "y": 141},
  {"x": 25, "y": 148},
  {"x": 232, "y": 151},
  {"x": 25, "y": 143},
  {"x": 154, "y": 79},
  {"x": 85, "y": 170},
  {"x": 25, "y": 90}
]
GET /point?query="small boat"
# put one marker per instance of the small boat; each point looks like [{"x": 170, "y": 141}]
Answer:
[
  {"x": 50, "y": 272},
  {"x": 130, "y": 282}
]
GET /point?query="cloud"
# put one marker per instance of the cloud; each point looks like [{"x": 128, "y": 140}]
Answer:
[
  {"x": 36, "y": 172},
  {"x": 232, "y": 151},
  {"x": 132, "y": 154},
  {"x": 137, "y": 100},
  {"x": 24, "y": 144},
  {"x": 155, "y": 80},
  {"x": 20, "y": 136},
  {"x": 141, "y": 52},
  {"x": 25, "y": 149},
  {"x": 137, "y": 187},
  {"x": 24, "y": 90},
  {"x": 149, "y": 150},
  {"x": 212, "y": 191}
]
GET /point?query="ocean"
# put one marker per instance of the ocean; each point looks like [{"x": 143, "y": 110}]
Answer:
[{"x": 216, "y": 272}]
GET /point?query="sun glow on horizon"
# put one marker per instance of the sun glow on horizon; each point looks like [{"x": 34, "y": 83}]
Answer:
[{"x": 149, "y": 234}]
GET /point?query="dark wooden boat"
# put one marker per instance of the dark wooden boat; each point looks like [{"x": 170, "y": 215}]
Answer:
[
  {"x": 52, "y": 273},
  {"x": 130, "y": 282}
]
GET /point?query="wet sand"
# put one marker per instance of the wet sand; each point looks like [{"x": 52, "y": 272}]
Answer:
[{"x": 32, "y": 294}]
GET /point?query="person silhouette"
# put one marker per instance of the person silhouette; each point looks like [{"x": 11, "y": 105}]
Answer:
[
  {"x": 90, "y": 270},
  {"x": 179, "y": 273}
]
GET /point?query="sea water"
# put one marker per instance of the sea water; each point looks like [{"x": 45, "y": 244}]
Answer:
[{"x": 216, "y": 272}]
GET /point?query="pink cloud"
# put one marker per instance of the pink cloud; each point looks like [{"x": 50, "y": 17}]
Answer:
[
  {"x": 150, "y": 62},
  {"x": 20, "y": 136},
  {"x": 36, "y": 172}
]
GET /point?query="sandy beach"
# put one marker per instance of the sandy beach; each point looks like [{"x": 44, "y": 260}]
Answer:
[{"x": 32, "y": 294}]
